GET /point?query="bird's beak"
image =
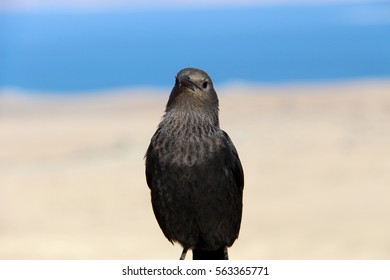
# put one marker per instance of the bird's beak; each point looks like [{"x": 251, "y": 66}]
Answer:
[{"x": 185, "y": 81}]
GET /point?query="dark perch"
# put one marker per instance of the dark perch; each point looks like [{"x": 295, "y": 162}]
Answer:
[{"x": 194, "y": 172}]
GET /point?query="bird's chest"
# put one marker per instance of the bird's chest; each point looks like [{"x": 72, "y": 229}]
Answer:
[{"x": 186, "y": 148}]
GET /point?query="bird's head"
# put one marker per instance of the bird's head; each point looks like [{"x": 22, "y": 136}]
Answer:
[{"x": 193, "y": 89}]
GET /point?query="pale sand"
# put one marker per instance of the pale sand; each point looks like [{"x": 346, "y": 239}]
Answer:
[{"x": 316, "y": 161}]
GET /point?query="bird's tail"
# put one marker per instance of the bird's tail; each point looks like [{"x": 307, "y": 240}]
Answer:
[{"x": 219, "y": 254}]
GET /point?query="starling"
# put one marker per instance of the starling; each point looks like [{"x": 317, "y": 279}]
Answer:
[{"x": 194, "y": 172}]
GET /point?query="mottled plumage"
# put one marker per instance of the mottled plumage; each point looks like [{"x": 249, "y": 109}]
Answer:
[{"x": 194, "y": 172}]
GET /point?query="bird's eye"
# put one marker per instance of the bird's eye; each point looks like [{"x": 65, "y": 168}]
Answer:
[
  {"x": 176, "y": 81},
  {"x": 205, "y": 84}
]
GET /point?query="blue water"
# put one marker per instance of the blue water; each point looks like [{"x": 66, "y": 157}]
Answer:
[{"x": 65, "y": 52}]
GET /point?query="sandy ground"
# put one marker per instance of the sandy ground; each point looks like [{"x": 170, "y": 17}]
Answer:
[{"x": 316, "y": 162}]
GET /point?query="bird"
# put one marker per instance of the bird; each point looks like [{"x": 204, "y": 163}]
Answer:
[{"x": 193, "y": 171}]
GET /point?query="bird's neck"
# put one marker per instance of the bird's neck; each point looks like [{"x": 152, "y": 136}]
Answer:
[
  {"x": 194, "y": 134},
  {"x": 196, "y": 120},
  {"x": 193, "y": 110}
]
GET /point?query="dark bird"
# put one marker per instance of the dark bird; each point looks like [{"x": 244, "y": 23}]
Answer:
[{"x": 194, "y": 172}]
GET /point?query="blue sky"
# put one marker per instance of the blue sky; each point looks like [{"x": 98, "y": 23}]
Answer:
[
  {"x": 90, "y": 5},
  {"x": 101, "y": 46}
]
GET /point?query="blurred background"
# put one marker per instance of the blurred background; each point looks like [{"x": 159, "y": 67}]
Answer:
[
  {"x": 68, "y": 46},
  {"x": 304, "y": 94}
]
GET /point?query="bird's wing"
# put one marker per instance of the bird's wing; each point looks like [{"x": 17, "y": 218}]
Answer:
[
  {"x": 148, "y": 165},
  {"x": 236, "y": 166},
  {"x": 150, "y": 161}
]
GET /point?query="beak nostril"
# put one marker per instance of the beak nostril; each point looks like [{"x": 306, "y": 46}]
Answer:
[
  {"x": 185, "y": 81},
  {"x": 185, "y": 77}
]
